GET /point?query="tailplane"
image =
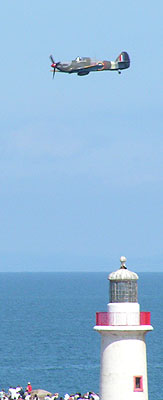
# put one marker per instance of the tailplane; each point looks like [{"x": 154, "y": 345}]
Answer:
[{"x": 123, "y": 60}]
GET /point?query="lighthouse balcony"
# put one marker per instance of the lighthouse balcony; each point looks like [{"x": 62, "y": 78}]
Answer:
[{"x": 122, "y": 318}]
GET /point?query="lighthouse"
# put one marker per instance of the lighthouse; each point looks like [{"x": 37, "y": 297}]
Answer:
[{"x": 123, "y": 372}]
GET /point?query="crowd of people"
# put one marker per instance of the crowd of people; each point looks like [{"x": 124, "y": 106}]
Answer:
[
  {"x": 79, "y": 396},
  {"x": 17, "y": 393}
]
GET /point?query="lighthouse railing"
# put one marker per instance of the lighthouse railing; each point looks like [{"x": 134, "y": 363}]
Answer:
[{"x": 105, "y": 318}]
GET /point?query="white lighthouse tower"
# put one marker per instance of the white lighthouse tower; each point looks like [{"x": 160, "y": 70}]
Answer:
[{"x": 123, "y": 374}]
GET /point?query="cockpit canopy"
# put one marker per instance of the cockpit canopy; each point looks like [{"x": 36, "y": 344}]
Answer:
[{"x": 78, "y": 59}]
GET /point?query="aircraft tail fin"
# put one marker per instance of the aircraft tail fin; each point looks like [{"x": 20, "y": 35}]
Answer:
[{"x": 123, "y": 60}]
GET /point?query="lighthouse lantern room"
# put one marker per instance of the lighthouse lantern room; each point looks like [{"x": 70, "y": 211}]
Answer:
[{"x": 123, "y": 373}]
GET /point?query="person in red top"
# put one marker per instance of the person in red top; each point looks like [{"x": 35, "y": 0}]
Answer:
[{"x": 29, "y": 387}]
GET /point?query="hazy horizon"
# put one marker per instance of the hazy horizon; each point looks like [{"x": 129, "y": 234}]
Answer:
[{"x": 36, "y": 263}]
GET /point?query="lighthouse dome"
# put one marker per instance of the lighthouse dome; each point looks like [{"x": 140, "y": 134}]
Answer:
[{"x": 123, "y": 275}]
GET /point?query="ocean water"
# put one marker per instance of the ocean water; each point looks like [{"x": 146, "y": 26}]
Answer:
[{"x": 46, "y": 330}]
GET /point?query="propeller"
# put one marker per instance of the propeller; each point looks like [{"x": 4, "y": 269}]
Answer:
[{"x": 54, "y": 65}]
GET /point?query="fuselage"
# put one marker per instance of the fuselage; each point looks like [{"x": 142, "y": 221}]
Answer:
[{"x": 85, "y": 65}]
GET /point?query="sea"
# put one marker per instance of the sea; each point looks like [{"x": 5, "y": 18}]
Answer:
[{"x": 47, "y": 336}]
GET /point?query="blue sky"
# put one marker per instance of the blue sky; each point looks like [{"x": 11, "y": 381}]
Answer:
[{"x": 81, "y": 170}]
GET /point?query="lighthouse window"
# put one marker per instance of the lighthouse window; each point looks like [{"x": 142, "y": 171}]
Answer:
[
  {"x": 138, "y": 384},
  {"x": 123, "y": 291}
]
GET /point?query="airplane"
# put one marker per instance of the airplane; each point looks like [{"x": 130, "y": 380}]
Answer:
[{"x": 84, "y": 65}]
